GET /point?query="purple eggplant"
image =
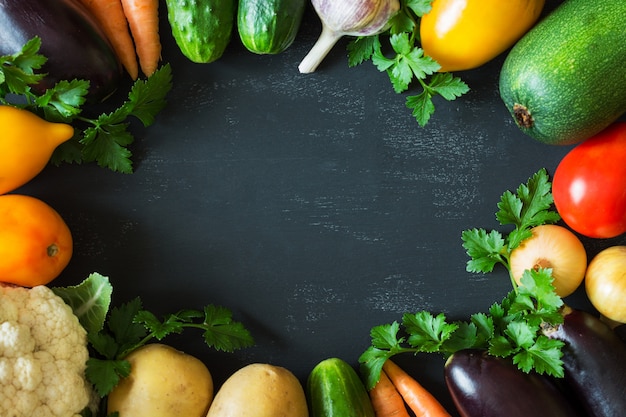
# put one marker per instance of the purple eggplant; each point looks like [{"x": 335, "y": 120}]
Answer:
[
  {"x": 482, "y": 385},
  {"x": 594, "y": 359},
  {"x": 71, "y": 39}
]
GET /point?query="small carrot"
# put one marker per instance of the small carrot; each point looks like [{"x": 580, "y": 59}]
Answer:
[
  {"x": 110, "y": 16},
  {"x": 419, "y": 400},
  {"x": 143, "y": 19},
  {"x": 386, "y": 400}
]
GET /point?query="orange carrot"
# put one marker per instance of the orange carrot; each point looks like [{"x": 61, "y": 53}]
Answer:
[
  {"x": 110, "y": 16},
  {"x": 143, "y": 19},
  {"x": 386, "y": 400},
  {"x": 419, "y": 400}
]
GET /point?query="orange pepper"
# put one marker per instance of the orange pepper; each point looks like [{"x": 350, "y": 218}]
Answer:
[{"x": 465, "y": 34}]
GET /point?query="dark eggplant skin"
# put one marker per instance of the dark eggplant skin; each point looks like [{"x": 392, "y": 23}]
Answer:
[
  {"x": 482, "y": 385},
  {"x": 594, "y": 359},
  {"x": 75, "y": 45}
]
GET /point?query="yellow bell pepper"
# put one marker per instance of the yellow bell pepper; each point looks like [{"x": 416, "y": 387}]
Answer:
[
  {"x": 465, "y": 34},
  {"x": 26, "y": 145}
]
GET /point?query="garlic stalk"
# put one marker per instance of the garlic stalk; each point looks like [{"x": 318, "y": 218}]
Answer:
[{"x": 346, "y": 17}]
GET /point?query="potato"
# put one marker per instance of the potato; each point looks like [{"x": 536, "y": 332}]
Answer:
[
  {"x": 163, "y": 382},
  {"x": 260, "y": 390}
]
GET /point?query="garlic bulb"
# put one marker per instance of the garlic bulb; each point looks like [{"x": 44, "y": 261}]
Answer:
[{"x": 347, "y": 17}]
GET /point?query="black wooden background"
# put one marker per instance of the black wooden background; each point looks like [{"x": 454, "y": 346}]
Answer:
[{"x": 313, "y": 206}]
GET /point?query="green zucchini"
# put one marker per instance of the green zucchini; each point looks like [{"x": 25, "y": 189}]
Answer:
[
  {"x": 202, "y": 29},
  {"x": 269, "y": 26},
  {"x": 334, "y": 389},
  {"x": 564, "y": 81}
]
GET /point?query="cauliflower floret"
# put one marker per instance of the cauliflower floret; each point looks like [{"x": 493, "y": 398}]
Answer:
[{"x": 43, "y": 355}]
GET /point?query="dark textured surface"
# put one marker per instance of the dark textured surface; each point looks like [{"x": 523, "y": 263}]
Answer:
[{"x": 313, "y": 206}]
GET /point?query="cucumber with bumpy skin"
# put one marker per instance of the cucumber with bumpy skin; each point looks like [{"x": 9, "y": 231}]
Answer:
[
  {"x": 564, "y": 81},
  {"x": 334, "y": 389},
  {"x": 269, "y": 26},
  {"x": 202, "y": 29}
]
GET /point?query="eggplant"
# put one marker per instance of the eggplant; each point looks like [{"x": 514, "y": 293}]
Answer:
[
  {"x": 71, "y": 39},
  {"x": 482, "y": 385},
  {"x": 594, "y": 360}
]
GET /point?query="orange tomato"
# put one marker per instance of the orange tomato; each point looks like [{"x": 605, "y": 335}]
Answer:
[
  {"x": 35, "y": 242},
  {"x": 26, "y": 144},
  {"x": 465, "y": 34}
]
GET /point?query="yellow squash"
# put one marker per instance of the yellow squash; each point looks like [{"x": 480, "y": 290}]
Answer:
[
  {"x": 465, "y": 34},
  {"x": 26, "y": 144}
]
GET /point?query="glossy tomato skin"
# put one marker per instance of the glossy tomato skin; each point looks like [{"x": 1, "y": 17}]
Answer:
[{"x": 589, "y": 184}]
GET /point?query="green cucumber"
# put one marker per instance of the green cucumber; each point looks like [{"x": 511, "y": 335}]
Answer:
[
  {"x": 565, "y": 81},
  {"x": 202, "y": 29},
  {"x": 269, "y": 26},
  {"x": 334, "y": 389}
]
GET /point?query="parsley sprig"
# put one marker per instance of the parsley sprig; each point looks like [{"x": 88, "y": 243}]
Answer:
[
  {"x": 512, "y": 327},
  {"x": 129, "y": 327},
  {"x": 104, "y": 139},
  {"x": 529, "y": 207},
  {"x": 407, "y": 62}
]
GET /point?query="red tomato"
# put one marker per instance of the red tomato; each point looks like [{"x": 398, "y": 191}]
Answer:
[{"x": 589, "y": 184}]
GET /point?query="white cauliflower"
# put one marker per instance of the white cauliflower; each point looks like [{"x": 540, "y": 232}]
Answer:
[{"x": 43, "y": 355}]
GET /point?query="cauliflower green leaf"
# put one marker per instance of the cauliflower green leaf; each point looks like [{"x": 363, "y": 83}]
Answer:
[{"x": 90, "y": 300}]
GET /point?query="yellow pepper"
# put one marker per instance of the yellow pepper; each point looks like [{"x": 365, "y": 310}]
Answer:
[
  {"x": 26, "y": 145},
  {"x": 465, "y": 34}
]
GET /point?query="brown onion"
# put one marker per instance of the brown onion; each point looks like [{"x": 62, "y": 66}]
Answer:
[
  {"x": 555, "y": 247},
  {"x": 605, "y": 283}
]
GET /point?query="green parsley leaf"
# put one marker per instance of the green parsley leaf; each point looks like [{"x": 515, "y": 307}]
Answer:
[
  {"x": 511, "y": 328},
  {"x": 221, "y": 332},
  {"x": 104, "y": 139},
  {"x": 106, "y": 374},
  {"x": 129, "y": 327},
  {"x": 530, "y": 206},
  {"x": 18, "y": 71},
  {"x": 485, "y": 249},
  {"x": 427, "y": 332},
  {"x": 362, "y": 49},
  {"x": 407, "y": 63},
  {"x": 419, "y": 7}
]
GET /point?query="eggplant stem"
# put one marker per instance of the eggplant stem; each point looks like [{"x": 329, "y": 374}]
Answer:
[{"x": 328, "y": 38}]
